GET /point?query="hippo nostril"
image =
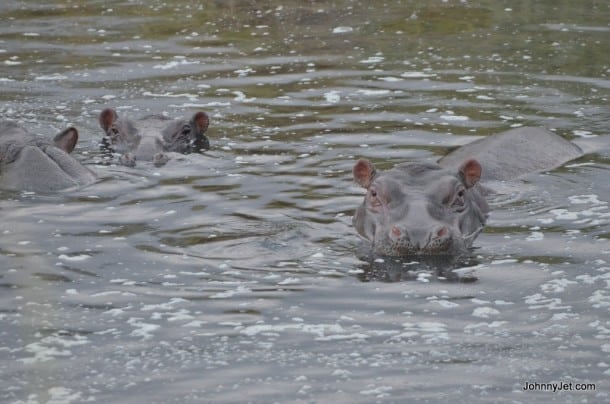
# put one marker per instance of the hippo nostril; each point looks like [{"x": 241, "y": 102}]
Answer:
[{"x": 396, "y": 231}]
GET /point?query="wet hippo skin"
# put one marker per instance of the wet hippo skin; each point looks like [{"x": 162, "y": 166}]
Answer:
[
  {"x": 150, "y": 138},
  {"x": 516, "y": 152},
  {"x": 440, "y": 209},
  {"x": 420, "y": 208},
  {"x": 32, "y": 163}
]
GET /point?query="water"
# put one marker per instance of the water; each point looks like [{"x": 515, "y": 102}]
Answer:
[{"x": 236, "y": 275}]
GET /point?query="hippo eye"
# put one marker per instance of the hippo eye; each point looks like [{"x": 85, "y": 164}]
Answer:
[
  {"x": 374, "y": 199},
  {"x": 458, "y": 200}
]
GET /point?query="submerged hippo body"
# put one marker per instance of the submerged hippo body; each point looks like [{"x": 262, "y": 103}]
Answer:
[
  {"x": 516, "y": 152},
  {"x": 31, "y": 163},
  {"x": 150, "y": 138},
  {"x": 439, "y": 209}
]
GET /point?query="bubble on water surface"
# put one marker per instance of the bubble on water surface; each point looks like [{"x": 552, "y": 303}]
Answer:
[
  {"x": 74, "y": 258},
  {"x": 53, "y": 346},
  {"x": 588, "y": 199},
  {"x": 485, "y": 312},
  {"x": 373, "y": 60},
  {"x": 51, "y": 77},
  {"x": 454, "y": 117},
  {"x": 390, "y": 79},
  {"x": 600, "y": 299},
  {"x": 373, "y": 92},
  {"x": 230, "y": 293},
  {"x": 583, "y": 133},
  {"x": 342, "y": 30},
  {"x": 446, "y": 304},
  {"x": 332, "y": 97},
  {"x": 241, "y": 97},
  {"x": 417, "y": 75},
  {"x": 535, "y": 236},
  {"x": 142, "y": 330},
  {"x": 377, "y": 391},
  {"x": 175, "y": 63},
  {"x": 539, "y": 301},
  {"x": 63, "y": 395}
]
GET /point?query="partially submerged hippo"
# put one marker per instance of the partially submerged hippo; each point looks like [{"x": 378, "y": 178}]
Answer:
[
  {"x": 439, "y": 209},
  {"x": 32, "y": 163},
  {"x": 150, "y": 138}
]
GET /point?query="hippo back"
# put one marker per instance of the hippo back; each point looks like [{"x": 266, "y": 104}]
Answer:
[
  {"x": 30, "y": 163},
  {"x": 514, "y": 153}
]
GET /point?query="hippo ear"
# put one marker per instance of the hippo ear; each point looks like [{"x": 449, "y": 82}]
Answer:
[
  {"x": 107, "y": 118},
  {"x": 364, "y": 172},
  {"x": 66, "y": 140},
  {"x": 471, "y": 172},
  {"x": 201, "y": 121}
]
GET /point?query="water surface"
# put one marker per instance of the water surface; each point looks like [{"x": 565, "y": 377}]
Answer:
[{"x": 236, "y": 275}]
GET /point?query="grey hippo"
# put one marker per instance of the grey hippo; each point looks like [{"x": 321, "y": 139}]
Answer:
[
  {"x": 33, "y": 163},
  {"x": 152, "y": 137},
  {"x": 421, "y": 208}
]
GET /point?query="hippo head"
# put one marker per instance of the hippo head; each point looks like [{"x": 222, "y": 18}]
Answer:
[
  {"x": 181, "y": 135},
  {"x": 188, "y": 136},
  {"x": 121, "y": 135},
  {"x": 420, "y": 208},
  {"x": 31, "y": 163},
  {"x": 149, "y": 138}
]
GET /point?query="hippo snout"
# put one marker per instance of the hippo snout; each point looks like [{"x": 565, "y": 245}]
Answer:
[{"x": 420, "y": 240}]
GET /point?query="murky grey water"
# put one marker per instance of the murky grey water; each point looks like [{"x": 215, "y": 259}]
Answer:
[{"x": 236, "y": 275}]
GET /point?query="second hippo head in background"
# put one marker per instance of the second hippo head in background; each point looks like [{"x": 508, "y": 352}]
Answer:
[{"x": 150, "y": 138}]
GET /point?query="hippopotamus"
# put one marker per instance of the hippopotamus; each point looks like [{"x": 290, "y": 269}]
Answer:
[
  {"x": 32, "y": 163},
  {"x": 150, "y": 138},
  {"x": 422, "y": 208}
]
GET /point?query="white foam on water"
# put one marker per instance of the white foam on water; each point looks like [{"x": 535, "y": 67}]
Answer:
[
  {"x": 454, "y": 118},
  {"x": 63, "y": 395},
  {"x": 373, "y": 60},
  {"x": 174, "y": 63},
  {"x": 74, "y": 258},
  {"x": 332, "y": 97},
  {"x": 417, "y": 75},
  {"x": 485, "y": 312},
  {"x": 52, "y": 347},
  {"x": 342, "y": 30},
  {"x": 142, "y": 330}
]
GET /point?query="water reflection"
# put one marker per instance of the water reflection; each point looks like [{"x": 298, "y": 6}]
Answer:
[{"x": 418, "y": 268}]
